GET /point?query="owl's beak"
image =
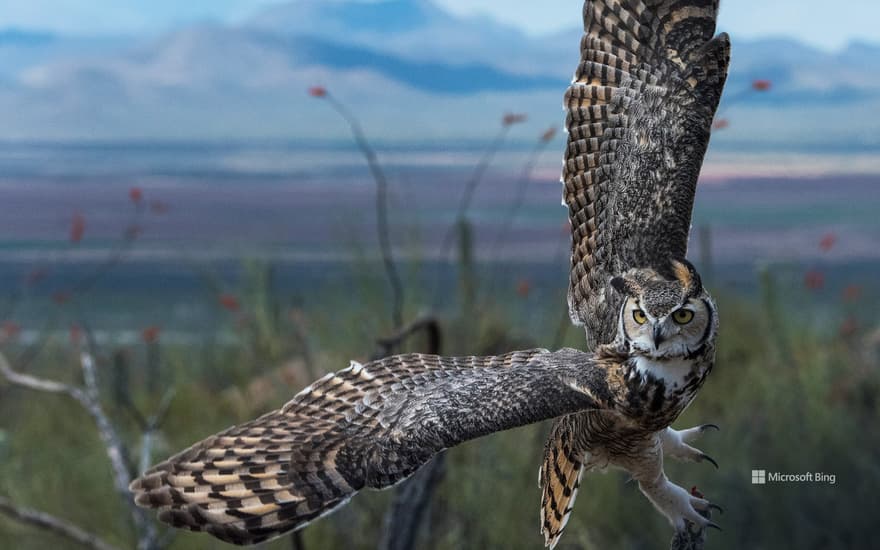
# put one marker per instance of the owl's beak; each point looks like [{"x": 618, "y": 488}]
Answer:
[{"x": 658, "y": 336}]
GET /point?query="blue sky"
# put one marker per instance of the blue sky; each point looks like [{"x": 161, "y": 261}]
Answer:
[{"x": 812, "y": 21}]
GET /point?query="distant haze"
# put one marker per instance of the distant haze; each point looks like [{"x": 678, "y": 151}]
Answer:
[{"x": 399, "y": 64}]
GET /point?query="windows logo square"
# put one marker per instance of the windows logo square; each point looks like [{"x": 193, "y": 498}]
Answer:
[{"x": 759, "y": 477}]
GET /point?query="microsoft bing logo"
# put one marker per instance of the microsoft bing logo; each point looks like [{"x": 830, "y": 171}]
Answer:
[{"x": 759, "y": 477}]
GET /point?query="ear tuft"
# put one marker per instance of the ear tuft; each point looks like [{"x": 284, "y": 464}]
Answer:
[{"x": 687, "y": 275}]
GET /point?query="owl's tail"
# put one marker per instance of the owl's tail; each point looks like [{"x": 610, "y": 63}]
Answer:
[
  {"x": 559, "y": 478},
  {"x": 246, "y": 485}
]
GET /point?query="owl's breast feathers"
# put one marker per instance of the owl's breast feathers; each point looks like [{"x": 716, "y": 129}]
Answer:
[{"x": 648, "y": 401}]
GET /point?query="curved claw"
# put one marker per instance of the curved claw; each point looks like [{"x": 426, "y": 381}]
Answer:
[
  {"x": 714, "y": 526},
  {"x": 704, "y": 456},
  {"x": 705, "y": 427},
  {"x": 713, "y": 506}
]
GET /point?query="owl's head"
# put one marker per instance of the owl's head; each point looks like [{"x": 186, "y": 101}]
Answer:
[{"x": 665, "y": 317}]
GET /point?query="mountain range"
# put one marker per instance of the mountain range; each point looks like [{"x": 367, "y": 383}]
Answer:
[{"x": 412, "y": 71}]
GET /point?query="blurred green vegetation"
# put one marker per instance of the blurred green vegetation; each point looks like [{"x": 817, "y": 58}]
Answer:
[{"x": 791, "y": 394}]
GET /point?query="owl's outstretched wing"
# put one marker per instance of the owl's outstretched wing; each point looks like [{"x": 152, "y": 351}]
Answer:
[
  {"x": 640, "y": 112},
  {"x": 370, "y": 426}
]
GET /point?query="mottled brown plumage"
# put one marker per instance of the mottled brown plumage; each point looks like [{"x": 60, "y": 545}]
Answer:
[
  {"x": 373, "y": 425},
  {"x": 640, "y": 109}
]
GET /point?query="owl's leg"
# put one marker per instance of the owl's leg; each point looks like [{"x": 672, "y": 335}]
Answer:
[
  {"x": 677, "y": 504},
  {"x": 675, "y": 444}
]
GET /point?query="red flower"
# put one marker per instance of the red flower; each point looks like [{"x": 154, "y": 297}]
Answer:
[
  {"x": 318, "y": 91},
  {"x": 849, "y": 327},
  {"x": 35, "y": 276},
  {"x": 136, "y": 195},
  {"x": 150, "y": 334},
  {"x": 61, "y": 297},
  {"x": 513, "y": 118},
  {"x": 9, "y": 330},
  {"x": 132, "y": 232},
  {"x": 229, "y": 302},
  {"x": 761, "y": 85},
  {"x": 852, "y": 293},
  {"x": 814, "y": 279},
  {"x": 523, "y": 288},
  {"x": 159, "y": 207},
  {"x": 548, "y": 135},
  {"x": 75, "y": 334},
  {"x": 242, "y": 322},
  {"x": 827, "y": 242},
  {"x": 720, "y": 124},
  {"x": 77, "y": 228}
]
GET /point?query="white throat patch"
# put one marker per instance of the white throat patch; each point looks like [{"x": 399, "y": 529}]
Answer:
[{"x": 672, "y": 370}]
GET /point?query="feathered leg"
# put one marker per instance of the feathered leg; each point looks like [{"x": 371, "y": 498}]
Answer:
[
  {"x": 676, "y": 444},
  {"x": 678, "y": 505}
]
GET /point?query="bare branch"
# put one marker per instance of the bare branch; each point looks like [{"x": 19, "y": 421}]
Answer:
[
  {"x": 464, "y": 204},
  {"x": 89, "y": 398},
  {"x": 150, "y": 428},
  {"x": 53, "y": 524},
  {"x": 690, "y": 538},
  {"x": 431, "y": 327},
  {"x": 38, "y": 384},
  {"x": 410, "y": 505},
  {"x": 116, "y": 256},
  {"x": 381, "y": 207},
  {"x": 519, "y": 197},
  {"x": 115, "y": 451}
]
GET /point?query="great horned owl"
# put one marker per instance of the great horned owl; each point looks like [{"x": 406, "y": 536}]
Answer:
[
  {"x": 640, "y": 109},
  {"x": 372, "y": 425}
]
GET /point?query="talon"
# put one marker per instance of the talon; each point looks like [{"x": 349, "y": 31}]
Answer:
[
  {"x": 705, "y": 427},
  {"x": 714, "y": 526},
  {"x": 704, "y": 456},
  {"x": 713, "y": 506}
]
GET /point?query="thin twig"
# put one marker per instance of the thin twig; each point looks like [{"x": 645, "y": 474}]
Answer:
[
  {"x": 410, "y": 506},
  {"x": 26, "y": 357},
  {"x": 464, "y": 204},
  {"x": 115, "y": 451},
  {"x": 81, "y": 287},
  {"x": 476, "y": 178},
  {"x": 503, "y": 235},
  {"x": 116, "y": 256},
  {"x": 53, "y": 524},
  {"x": 561, "y": 329},
  {"x": 734, "y": 98},
  {"x": 381, "y": 208},
  {"x": 470, "y": 189},
  {"x": 522, "y": 185},
  {"x": 88, "y": 397},
  {"x": 690, "y": 538},
  {"x": 431, "y": 327},
  {"x": 150, "y": 428}
]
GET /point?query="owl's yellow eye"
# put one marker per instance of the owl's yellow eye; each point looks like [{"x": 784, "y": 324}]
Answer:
[
  {"x": 639, "y": 316},
  {"x": 683, "y": 316}
]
